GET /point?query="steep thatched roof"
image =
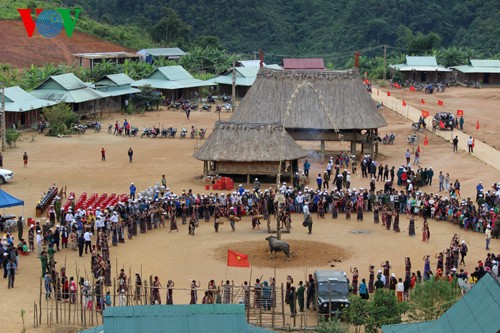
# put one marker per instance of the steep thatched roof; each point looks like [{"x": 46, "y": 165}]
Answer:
[
  {"x": 310, "y": 100},
  {"x": 249, "y": 142}
]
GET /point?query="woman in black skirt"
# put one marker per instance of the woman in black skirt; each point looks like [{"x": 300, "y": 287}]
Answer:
[{"x": 411, "y": 227}]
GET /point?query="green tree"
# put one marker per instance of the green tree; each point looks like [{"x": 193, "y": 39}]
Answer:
[
  {"x": 358, "y": 312},
  {"x": 11, "y": 137},
  {"x": 451, "y": 56},
  {"x": 147, "y": 99},
  {"x": 384, "y": 310},
  {"x": 207, "y": 41},
  {"x": 60, "y": 119},
  {"x": 432, "y": 298},
  {"x": 171, "y": 30}
]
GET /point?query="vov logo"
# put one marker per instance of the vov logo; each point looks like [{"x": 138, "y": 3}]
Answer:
[{"x": 49, "y": 22}]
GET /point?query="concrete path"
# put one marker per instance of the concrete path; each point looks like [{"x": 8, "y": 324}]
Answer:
[{"x": 482, "y": 151}]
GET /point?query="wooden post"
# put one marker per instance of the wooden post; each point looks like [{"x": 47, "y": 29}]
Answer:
[
  {"x": 57, "y": 306},
  {"x": 376, "y": 142},
  {"x": 40, "y": 303},
  {"x": 114, "y": 291},
  {"x": 283, "y": 303}
]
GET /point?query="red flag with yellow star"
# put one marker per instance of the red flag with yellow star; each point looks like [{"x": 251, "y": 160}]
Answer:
[{"x": 235, "y": 259}]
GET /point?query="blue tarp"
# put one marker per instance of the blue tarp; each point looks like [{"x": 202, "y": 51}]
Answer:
[{"x": 7, "y": 200}]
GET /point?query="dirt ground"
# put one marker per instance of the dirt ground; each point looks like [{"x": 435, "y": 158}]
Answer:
[
  {"x": 41, "y": 50},
  {"x": 477, "y": 104},
  {"x": 75, "y": 162}
]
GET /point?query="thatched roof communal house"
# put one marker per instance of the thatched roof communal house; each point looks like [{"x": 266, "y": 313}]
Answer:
[
  {"x": 313, "y": 106},
  {"x": 249, "y": 149}
]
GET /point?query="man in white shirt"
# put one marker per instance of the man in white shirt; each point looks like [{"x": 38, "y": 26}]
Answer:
[
  {"x": 87, "y": 237},
  {"x": 306, "y": 210},
  {"x": 39, "y": 240},
  {"x": 470, "y": 144}
]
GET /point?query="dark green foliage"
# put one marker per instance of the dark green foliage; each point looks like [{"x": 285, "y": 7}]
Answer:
[
  {"x": 311, "y": 27},
  {"x": 384, "y": 310},
  {"x": 60, "y": 119},
  {"x": 147, "y": 99},
  {"x": 358, "y": 312},
  {"x": 432, "y": 298},
  {"x": 11, "y": 137}
]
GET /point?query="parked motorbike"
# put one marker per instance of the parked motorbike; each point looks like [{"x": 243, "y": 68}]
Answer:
[
  {"x": 95, "y": 125},
  {"x": 164, "y": 132},
  {"x": 206, "y": 107},
  {"x": 171, "y": 132},
  {"x": 226, "y": 99},
  {"x": 110, "y": 128},
  {"x": 146, "y": 132},
  {"x": 133, "y": 131},
  {"x": 183, "y": 132},
  {"x": 80, "y": 129},
  {"x": 210, "y": 99},
  {"x": 412, "y": 139}
]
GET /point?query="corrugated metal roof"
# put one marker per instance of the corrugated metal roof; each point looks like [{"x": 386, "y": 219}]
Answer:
[
  {"x": 421, "y": 61},
  {"x": 110, "y": 91},
  {"x": 119, "y": 79},
  {"x": 485, "y": 63},
  {"x": 18, "y": 100},
  {"x": 303, "y": 63},
  {"x": 471, "y": 69},
  {"x": 407, "y": 68},
  {"x": 170, "y": 78},
  {"x": 162, "y": 52},
  {"x": 206, "y": 318},
  {"x": 250, "y": 63},
  {"x": 67, "y": 81},
  {"x": 227, "y": 79},
  {"x": 477, "y": 311},
  {"x": 73, "y": 96},
  {"x": 172, "y": 73}
]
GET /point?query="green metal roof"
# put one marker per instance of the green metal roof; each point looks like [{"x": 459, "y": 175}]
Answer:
[
  {"x": 171, "y": 78},
  {"x": 116, "y": 79},
  {"x": 200, "y": 318},
  {"x": 115, "y": 85},
  {"x": 421, "y": 61},
  {"x": 72, "y": 96},
  {"x": 18, "y": 100},
  {"x": 66, "y": 88},
  {"x": 477, "y": 311},
  {"x": 67, "y": 81},
  {"x": 485, "y": 63},
  {"x": 245, "y": 76},
  {"x": 423, "y": 64},
  {"x": 480, "y": 66},
  {"x": 163, "y": 52},
  {"x": 471, "y": 69}
]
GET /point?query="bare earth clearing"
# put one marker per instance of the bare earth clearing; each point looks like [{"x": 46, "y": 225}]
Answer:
[
  {"x": 76, "y": 163},
  {"x": 38, "y": 50}
]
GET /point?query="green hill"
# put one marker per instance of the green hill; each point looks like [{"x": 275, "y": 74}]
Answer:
[{"x": 310, "y": 27}]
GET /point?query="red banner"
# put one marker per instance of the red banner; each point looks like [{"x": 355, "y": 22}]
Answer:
[
  {"x": 425, "y": 113},
  {"x": 235, "y": 259},
  {"x": 422, "y": 101},
  {"x": 426, "y": 141},
  {"x": 388, "y": 93},
  {"x": 418, "y": 149},
  {"x": 460, "y": 112},
  {"x": 477, "y": 124},
  {"x": 440, "y": 102},
  {"x": 412, "y": 88},
  {"x": 404, "y": 102}
]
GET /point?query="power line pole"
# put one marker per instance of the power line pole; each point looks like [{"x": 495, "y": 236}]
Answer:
[
  {"x": 234, "y": 85},
  {"x": 3, "y": 117},
  {"x": 385, "y": 61}
]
